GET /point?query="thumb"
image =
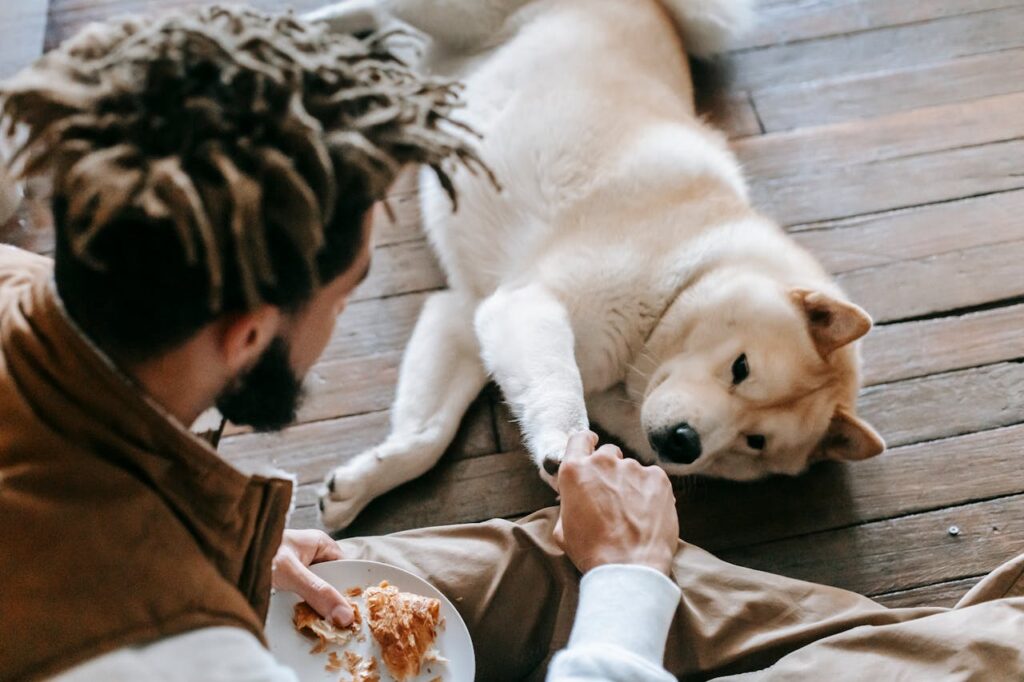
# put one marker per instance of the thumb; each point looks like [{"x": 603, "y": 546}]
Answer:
[
  {"x": 559, "y": 533},
  {"x": 320, "y": 594}
]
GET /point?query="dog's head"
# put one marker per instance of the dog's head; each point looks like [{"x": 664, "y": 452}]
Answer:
[{"x": 745, "y": 378}]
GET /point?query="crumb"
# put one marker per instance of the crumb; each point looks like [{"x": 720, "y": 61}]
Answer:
[
  {"x": 360, "y": 669},
  {"x": 353, "y": 591},
  {"x": 333, "y": 663}
]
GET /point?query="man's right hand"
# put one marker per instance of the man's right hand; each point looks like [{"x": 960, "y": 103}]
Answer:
[{"x": 614, "y": 510}]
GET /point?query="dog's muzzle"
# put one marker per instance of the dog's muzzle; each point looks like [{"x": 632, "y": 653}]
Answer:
[{"x": 679, "y": 444}]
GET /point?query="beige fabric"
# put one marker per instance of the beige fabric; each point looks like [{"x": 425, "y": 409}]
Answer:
[{"x": 517, "y": 593}]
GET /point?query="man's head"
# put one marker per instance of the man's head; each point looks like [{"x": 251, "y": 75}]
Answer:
[{"x": 213, "y": 171}]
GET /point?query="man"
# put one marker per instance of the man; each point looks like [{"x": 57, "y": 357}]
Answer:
[{"x": 212, "y": 176}]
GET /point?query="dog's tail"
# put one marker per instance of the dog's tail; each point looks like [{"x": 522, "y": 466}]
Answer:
[{"x": 710, "y": 26}]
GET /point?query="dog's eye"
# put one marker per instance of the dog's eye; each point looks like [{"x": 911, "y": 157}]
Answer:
[
  {"x": 757, "y": 442},
  {"x": 740, "y": 370}
]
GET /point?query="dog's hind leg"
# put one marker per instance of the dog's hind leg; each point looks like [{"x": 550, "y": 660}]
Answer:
[
  {"x": 441, "y": 374},
  {"x": 528, "y": 346}
]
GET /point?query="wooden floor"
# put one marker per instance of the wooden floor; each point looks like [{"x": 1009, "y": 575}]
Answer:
[{"x": 889, "y": 138}]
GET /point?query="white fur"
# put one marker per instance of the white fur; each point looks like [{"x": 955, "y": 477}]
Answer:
[
  {"x": 710, "y": 26},
  {"x": 610, "y": 257}
]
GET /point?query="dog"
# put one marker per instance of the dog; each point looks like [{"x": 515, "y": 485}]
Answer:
[{"x": 620, "y": 276}]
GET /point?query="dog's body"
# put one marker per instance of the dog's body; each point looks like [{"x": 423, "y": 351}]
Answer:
[{"x": 621, "y": 275}]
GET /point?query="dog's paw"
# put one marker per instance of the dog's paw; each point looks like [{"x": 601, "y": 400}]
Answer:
[
  {"x": 346, "y": 492},
  {"x": 549, "y": 465}
]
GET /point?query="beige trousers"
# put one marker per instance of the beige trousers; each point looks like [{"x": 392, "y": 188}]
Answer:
[{"x": 517, "y": 592}]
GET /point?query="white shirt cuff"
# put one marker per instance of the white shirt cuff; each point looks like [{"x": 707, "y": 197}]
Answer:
[{"x": 628, "y": 607}]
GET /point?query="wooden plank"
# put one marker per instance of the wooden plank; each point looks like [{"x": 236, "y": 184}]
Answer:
[
  {"x": 347, "y": 387},
  {"x": 311, "y": 450},
  {"x": 794, "y": 20},
  {"x": 945, "y": 594},
  {"x": 898, "y": 89},
  {"x": 912, "y": 479},
  {"x": 949, "y": 281},
  {"x": 918, "y": 232},
  {"x": 842, "y": 191},
  {"x": 899, "y": 553},
  {"x": 401, "y": 268},
  {"x": 898, "y": 135},
  {"x": 23, "y": 25},
  {"x": 404, "y": 223},
  {"x": 878, "y": 49},
  {"x": 464, "y": 491},
  {"x": 374, "y": 326},
  {"x": 67, "y": 16},
  {"x": 914, "y": 349},
  {"x": 943, "y": 405},
  {"x": 499, "y": 485}
]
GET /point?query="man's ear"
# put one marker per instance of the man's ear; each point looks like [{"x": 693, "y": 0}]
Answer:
[
  {"x": 245, "y": 336},
  {"x": 832, "y": 322},
  {"x": 849, "y": 438}
]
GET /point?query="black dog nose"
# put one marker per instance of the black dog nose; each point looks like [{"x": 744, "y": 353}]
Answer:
[{"x": 679, "y": 443}]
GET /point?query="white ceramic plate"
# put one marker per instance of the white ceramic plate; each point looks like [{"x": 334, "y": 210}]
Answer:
[{"x": 292, "y": 648}]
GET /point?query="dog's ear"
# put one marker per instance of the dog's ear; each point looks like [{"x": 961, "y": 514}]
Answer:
[
  {"x": 849, "y": 438},
  {"x": 833, "y": 323}
]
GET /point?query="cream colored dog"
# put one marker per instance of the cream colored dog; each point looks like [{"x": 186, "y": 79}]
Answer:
[{"x": 621, "y": 276}]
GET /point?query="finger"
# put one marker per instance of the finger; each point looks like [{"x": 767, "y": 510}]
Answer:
[
  {"x": 324, "y": 599},
  {"x": 609, "y": 450},
  {"x": 581, "y": 445},
  {"x": 558, "y": 534}
]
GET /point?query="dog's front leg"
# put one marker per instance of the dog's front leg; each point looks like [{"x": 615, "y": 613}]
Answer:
[
  {"x": 528, "y": 346},
  {"x": 440, "y": 376}
]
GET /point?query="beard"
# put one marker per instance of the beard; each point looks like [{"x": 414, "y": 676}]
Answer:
[{"x": 267, "y": 395}]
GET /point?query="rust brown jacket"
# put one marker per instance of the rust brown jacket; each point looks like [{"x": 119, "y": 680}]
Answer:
[{"x": 117, "y": 525}]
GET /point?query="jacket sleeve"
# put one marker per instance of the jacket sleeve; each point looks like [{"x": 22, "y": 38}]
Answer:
[
  {"x": 18, "y": 265},
  {"x": 620, "y": 629},
  {"x": 216, "y": 654}
]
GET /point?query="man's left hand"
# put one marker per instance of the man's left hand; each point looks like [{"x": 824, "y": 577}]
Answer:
[{"x": 298, "y": 551}]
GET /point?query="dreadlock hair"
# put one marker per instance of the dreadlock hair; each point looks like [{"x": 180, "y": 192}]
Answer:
[{"x": 211, "y": 160}]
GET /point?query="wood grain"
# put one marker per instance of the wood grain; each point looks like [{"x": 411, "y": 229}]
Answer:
[
  {"x": 906, "y": 480},
  {"x": 311, "y": 450},
  {"x": 915, "y": 349},
  {"x": 941, "y": 405},
  {"x": 945, "y": 594},
  {"x": 456, "y": 491},
  {"x": 788, "y": 22},
  {"x": 899, "y": 553},
  {"x": 877, "y": 49},
  {"x": 932, "y": 230},
  {"x": 23, "y": 26},
  {"x": 923, "y": 131},
  {"x": 949, "y": 281},
  {"x": 853, "y": 189},
  {"x": 885, "y": 92},
  {"x": 405, "y": 267}
]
